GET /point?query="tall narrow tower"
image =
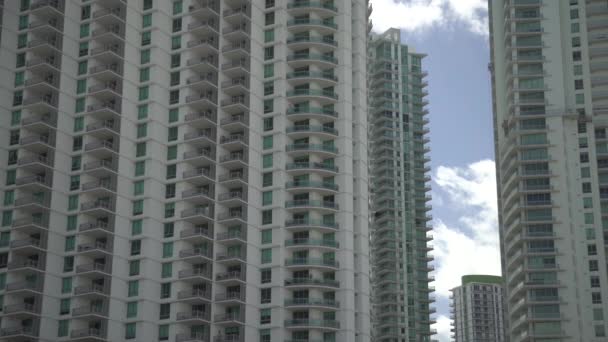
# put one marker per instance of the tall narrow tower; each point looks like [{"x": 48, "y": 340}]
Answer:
[
  {"x": 550, "y": 83},
  {"x": 399, "y": 186},
  {"x": 184, "y": 170}
]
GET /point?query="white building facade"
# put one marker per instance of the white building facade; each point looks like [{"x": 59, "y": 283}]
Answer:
[
  {"x": 550, "y": 82},
  {"x": 184, "y": 171},
  {"x": 477, "y": 309}
]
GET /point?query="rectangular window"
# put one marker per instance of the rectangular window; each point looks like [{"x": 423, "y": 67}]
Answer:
[
  {"x": 146, "y": 38},
  {"x": 64, "y": 306},
  {"x": 267, "y": 179},
  {"x": 84, "y": 30},
  {"x": 142, "y": 130},
  {"x": 268, "y": 124},
  {"x": 15, "y": 117},
  {"x": 266, "y": 256},
  {"x": 138, "y": 188},
  {"x": 68, "y": 263},
  {"x": 135, "y": 247},
  {"x": 177, "y": 7},
  {"x": 73, "y": 202},
  {"x": 267, "y": 160},
  {"x": 169, "y": 210},
  {"x": 171, "y": 171},
  {"x": 267, "y": 142},
  {"x": 147, "y": 4},
  {"x": 85, "y": 12},
  {"x": 80, "y": 104},
  {"x": 136, "y": 227},
  {"x": 144, "y": 93},
  {"x": 66, "y": 285},
  {"x": 63, "y": 328},
  {"x": 83, "y": 49},
  {"x": 7, "y": 218},
  {"x": 165, "y": 290},
  {"x": 140, "y": 168},
  {"x": 134, "y": 268},
  {"x": 142, "y": 111},
  {"x": 21, "y": 40},
  {"x": 266, "y": 275},
  {"x": 267, "y": 198},
  {"x": 268, "y": 36},
  {"x": 167, "y": 249},
  {"x": 138, "y": 207},
  {"x": 144, "y": 74},
  {"x": 176, "y": 42},
  {"x": 177, "y": 25},
  {"x": 172, "y": 133},
  {"x": 266, "y": 296},
  {"x": 268, "y": 106},
  {"x": 268, "y": 70},
  {"x": 130, "y": 331},
  {"x": 267, "y": 236},
  {"x": 175, "y": 78},
  {"x": 23, "y": 22},
  {"x": 19, "y": 78},
  {"x": 146, "y": 20},
  {"x": 265, "y": 316},
  {"x": 168, "y": 230},
  {"x": 268, "y": 53},
  {"x": 176, "y": 60},
  {"x": 70, "y": 243},
  {"x": 140, "y": 149},
  {"x": 133, "y": 288},
  {"x": 167, "y": 270},
  {"x": 82, "y": 67},
  {"x": 267, "y": 217},
  {"x": 131, "y": 309},
  {"x": 72, "y": 222},
  {"x": 165, "y": 311},
  {"x": 145, "y": 56},
  {"x": 172, "y": 152},
  {"x": 268, "y": 88},
  {"x": 173, "y": 115}
]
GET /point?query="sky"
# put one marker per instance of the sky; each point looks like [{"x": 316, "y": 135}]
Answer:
[{"x": 454, "y": 35}]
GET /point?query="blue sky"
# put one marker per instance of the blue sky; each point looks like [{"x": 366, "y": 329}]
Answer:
[{"x": 453, "y": 33}]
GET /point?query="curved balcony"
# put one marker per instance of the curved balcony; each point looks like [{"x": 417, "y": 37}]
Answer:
[
  {"x": 238, "y": 297},
  {"x": 195, "y": 275},
  {"x": 201, "y": 157},
  {"x": 311, "y": 148},
  {"x": 305, "y": 224},
  {"x": 312, "y": 204},
  {"x": 231, "y": 277},
  {"x": 194, "y": 296},
  {"x": 196, "y": 234},
  {"x": 303, "y": 59},
  {"x": 198, "y": 195},
  {"x": 308, "y": 243},
  {"x": 324, "y": 79},
  {"x": 312, "y": 324},
  {"x": 201, "y": 175},
  {"x": 312, "y": 303},
  {"x": 196, "y": 255},
  {"x": 311, "y": 263},
  {"x": 321, "y": 187},
  {"x": 302, "y": 131},
  {"x": 312, "y": 282},
  {"x": 305, "y": 6},
  {"x": 324, "y": 27},
  {"x": 307, "y": 168},
  {"x": 88, "y": 334},
  {"x": 312, "y": 112}
]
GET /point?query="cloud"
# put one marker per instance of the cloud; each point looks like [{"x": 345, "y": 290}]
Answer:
[
  {"x": 465, "y": 229},
  {"x": 414, "y": 15}
]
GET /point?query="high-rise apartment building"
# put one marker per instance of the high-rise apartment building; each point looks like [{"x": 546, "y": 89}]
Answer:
[
  {"x": 184, "y": 170},
  {"x": 477, "y": 309},
  {"x": 399, "y": 184},
  {"x": 550, "y": 83}
]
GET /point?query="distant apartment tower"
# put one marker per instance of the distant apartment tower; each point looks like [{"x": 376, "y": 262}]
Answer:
[
  {"x": 477, "y": 309},
  {"x": 184, "y": 171},
  {"x": 550, "y": 84},
  {"x": 399, "y": 147}
]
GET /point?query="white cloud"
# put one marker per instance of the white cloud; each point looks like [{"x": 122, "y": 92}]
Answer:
[
  {"x": 466, "y": 240},
  {"x": 443, "y": 328},
  {"x": 412, "y": 15}
]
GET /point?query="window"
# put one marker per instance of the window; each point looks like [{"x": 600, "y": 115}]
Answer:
[
  {"x": 269, "y": 18},
  {"x": 130, "y": 331},
  {"x": 144, "y": 93},
  {"x": 140, "y": 168},
  {"x": 268, "y": 106},
  {"x": 267, "y": 179},
  {"x": 64, "y": 306},
  {"x": 578, "y": 84},
  {"x": 600, "y": 331},
  {"x": 135, "y": 247},
  {"x": 170, "y": 193},
  {"x": 144, "y": 74},
  {"x": 175, "y": 60},
  {"x": 593, "y": 266},
  {"x": 147, "y": 4},
  {"x": 18, "y": 98},
  {"x": 83, "y": 49},
  {"x": 80, "y": 104},
  {"x": 68, "y": 263},
  {"x": 82, "y": 67},
  {"x": 19, "y": 78},
  {"x": 269, "y": 3},
  {"x": 63, "y": 328},
  {"x": 267, "y": 217},
  {"x": 7, "y": 218},
  {"x": 267, "y": 160},
  {"x": 268, "y": 88},
  {"x": 268, "y": 36},
  {"x": 172, "y": 133},
  {"x": 596, "y": 298},
  {"x": 146, "y": 20},
  {"x": 266, "y": 275},
  {"x": 266, "y": 255},
  {"x": 66, "y": 285},
  {"x": 85, "y": 12},
  {"x": 9, "y": 197},
  {"x": 133, "y": 288},
  {"x": 23, "y": 22},
  {"x": 168, "y": 230},
  {"x": 142, "y": 111},
  {"x": 171, "y": 171},
  {"x": 177, "y": 7},
  {"x": 265, "y": 296},
  {"x": 176, "y": 42},
  {"x": 268, "y": 70},
  {"x": 136, "y": 227},
  {"x": 165, "y": 310},
  {"x": 574, "y": 14},
  {"x": 167, "y": 249},
  {"x": 163, "y": 332},
  {"x": 167, "y": 270},
  {"x": 267, "y": 236},
  {"x": 267, "y": 198},
  {"x": 591, "y": 249},
  {"x": 20, "y": 60},
  {"x": 169, "y": 210},
  {"x": 138, "y": 188},
  {"x": 81, "y": 86},
  {"x": 268, "y": 124},
  {"x": 138, "y": 207},
  {"x": 171, "y": 152},
  {"x": 70, "y": 243},
  {"x": 131, "y": 309},
  {"x": 84, "y": 30},
  {"x": 165, "y": 290},
  {"x": 269, "y": 53},
  {"x": 175, "y": 78},
  {"x": 142, "y": 130},
  {"x": 15, "y": 117},
  {"x": 265, "y": 316},
  {"x": 22, "y": 40},
  {"x": 76, "y": 162},
  {"x": 134, "y": 268},
  {"x": 265, "y": 335},
  {"x": 595, "y": 281},
  {"x": 174, "y": 114},
  {"x": 77, "y": 144},
  {"x": 25, "y": 5},
  {"x": 145, "y": 56},
  {"x": 11, "y": 175},
  {"x": 174, "y": 96},
  {"x": 73, "y": 202},
  {"x": 140, "y": 149}
]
